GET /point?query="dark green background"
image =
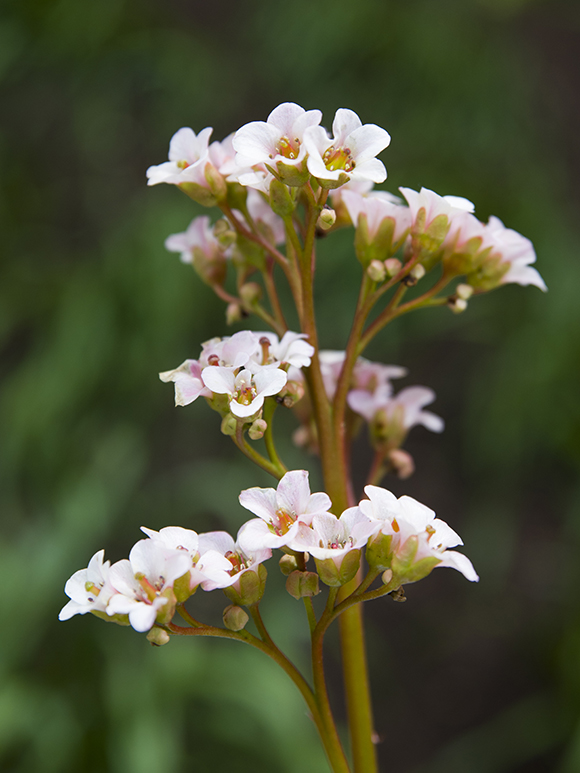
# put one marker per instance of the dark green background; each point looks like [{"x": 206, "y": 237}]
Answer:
[{"x": 481, "y": 99}]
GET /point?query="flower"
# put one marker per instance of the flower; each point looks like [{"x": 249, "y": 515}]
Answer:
[
  {"x": 291, "y": 350},
  {"x": 89, "y": 589},
  {"x": 277, "y": 143},
  {"x": 188, "y": 156},
  {"x": 418, "y": 540},
  {"x": 198, "y": 236},
  {"x": 187, "y": 380},
  {"x": 349, "y": 154},
  {"x": 206, "y": 569},
  {"x": 378, "y": 208},
  {"x": 434, "y": 205},
  {"x": 246, "y": 390},
  {"x": 280, "y": 511},
  {"x": 403, "y": 410},
  {"x": 144, "y": 583},
  {"x": 515, "y": 252}
]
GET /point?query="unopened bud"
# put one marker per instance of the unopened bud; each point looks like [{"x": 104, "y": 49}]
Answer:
[
  {"x": 457, "y": 305},
  {"x": 235, "y": 618},
  {"x": 464, "y": 291},
  {"x": 291, "y": 394},
  {"x": 417, "y": 272},
  {"x": 158, "y": 637},
  {"x": 288, "y": 564},
  {"x": 387, "y": 576},
  {"x": 302, "y": 584},
  {"x": 402, "y": 463},
  {"x": 223, "y": 233},
  {"x": 257, "y": 429},
  {"x": 393, "y": 266},
  {"x": 250, "y": 293},
  {"x": 376, "y": 271},
  {"x": 229, "y": 425},
  {"x": 234, "y": 313},
  {"x": 326, "y": 219}
]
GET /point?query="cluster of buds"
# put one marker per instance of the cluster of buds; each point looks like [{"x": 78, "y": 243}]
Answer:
[{"x": 403, "y": 539}]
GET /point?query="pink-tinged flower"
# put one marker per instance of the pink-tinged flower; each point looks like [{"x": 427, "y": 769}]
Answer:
[
  {"x": 419, "y": 541},
  {"x": 144, "y": 583},
  {"x": 434, "y": 205},
  {"x": 247, "y": 390},
  {"x": 199, "y": 236},
  {"x": 261, "y": 212},
  {"x": 517, "y": 252},
  {"x": 377, "y": 209},
  {"x": 230, "y": 351},
  {"x": 278, "y": 142},
  {"x": 291, "y": 350},
  {"x": 404, "y": 409},
  {"x": 209, "y": 568},
  {"x": 89, "y": 590},
  {"x": 242, "y": 561},
  {"x": 188, "y": 156},
  {"x": 349, "y": 154},
  {"x": 280, "y": 511},
  {"x": 187, "y": 380}
]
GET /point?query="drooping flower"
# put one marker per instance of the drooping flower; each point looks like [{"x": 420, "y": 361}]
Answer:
[
  {"x": 89, "y": 590},
  {"x": 350, "y": 154},
  {"x": 416, "y": 542},
  {"x": 280, "y": 511},
  {"x": 144, "y": 583}
]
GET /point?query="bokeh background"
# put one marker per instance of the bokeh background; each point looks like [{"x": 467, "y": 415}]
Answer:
[{"x": 481, "y": 100}]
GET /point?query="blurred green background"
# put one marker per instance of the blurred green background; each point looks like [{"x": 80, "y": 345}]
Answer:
[{"x": 481, "y": 100}]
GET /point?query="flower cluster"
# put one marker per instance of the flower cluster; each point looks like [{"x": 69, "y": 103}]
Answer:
[
  {"x": 245, "y": 368},
  {"x": 164, "y": 570}
]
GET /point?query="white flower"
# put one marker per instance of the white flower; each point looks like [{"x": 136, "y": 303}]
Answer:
[
  {"x": 188, "y": 155},
  {"x": 416, "y": 533},
  {"x": 434, "y": 205},
  {"x": 332, "y": 538},
  {"x": 187, "y": 380},
  {"x": 241, "y": 560},
  {"x": 144, "y": 583},
  {"x": 199, "y": 235},
  {"x": 291, "y": 350},
  {"x": 206, "y": 569},
  {"x": 350, "y": 153},
  {"x": 378, "y": 208},
  {"x": 278, "y": 142},
  {"x": 246, "y": 391},
  {"x": 515, "y": 250},
  {"x": 89, "y": 589},
  {"x": 405, "y": 408},
  {"x": 280, "y": 511}
]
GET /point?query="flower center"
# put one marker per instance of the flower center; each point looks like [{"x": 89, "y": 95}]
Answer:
[
  {"x": 337, "y": 543},
  {"x": 246, "y": 392},
  {"x": 281, "y": 522},
  {"x": 149, "y": 591},
  {"x": 90, "y": 587},
  {"x": 338, "y": 158},
  {"x": 288, "y": 148},
  {"x": 183, "y": 164},
  {"x": 238, "y": 562}
]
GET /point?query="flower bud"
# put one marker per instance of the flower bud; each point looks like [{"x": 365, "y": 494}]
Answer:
[
  {"x": 393, "y": 266},
  {"x": 257, "y": 429},
  {"x": 302, "y": 584},
  {"x": 326, "y": 219},
  {"x": 250, "y": 293},
  {"x": 234, "y": 313},
  {"x": 291, "y": 394},
  {"x": 158, "y": 637},
  {"x": 223, "y": 233},
  {"x": 288, "y": 564},
  {"x": 281, "y": 200},
  {"x": 216, "y": 182},
  {"x": 402, "y": 463},
  {"x": 376, "y": 271},
  {"x": 235, "y": 618},
  {"x": 464, "y": 291},
  {"x": 229, "y": 425},
  {"x": 457, "y": 305}
]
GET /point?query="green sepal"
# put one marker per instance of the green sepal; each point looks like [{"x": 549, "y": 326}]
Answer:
[
  {"x": 119, "y": 619},
  {"x": 489, "y": 275},
  {"x": 252, "y": 585},
  {"x": 282, "y": 202},
  {"x": 468, "y": 260},
  {"x": 165, "y": 614},
  {"x": 248, "y": 252},
  {"x": 420, "y": 569},
  {"x": 236, "y": 196},
  {"x": 378, "y": 552},
  {"x": 331, "y": 575},
  {"x": 199, "y": 194},
  {"x": 216, "y": 182},
  {"x": 332, "y": 184},
  {"x": 235, "y": 618},
  {"x": 403, "y": 559},
  {"x": 294, "y": 176},
  {"x": 181, "y": 588},
  {"x": 380, "y": 246},
  {"x": 302, "y": 584}
]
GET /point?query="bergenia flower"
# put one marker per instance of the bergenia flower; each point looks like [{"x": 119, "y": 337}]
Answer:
[
  {"x": 292, "y": 350},
  {"x": 433, "y": 205},
  {"x": 188, "y": 155},
  {"x": 377, "y": 209},
  {"x": 280, "y": 511},
  {"x": 89, "y": 590},
  {"x": 416, "y": 536},
  {"x": 278, "y": 142},
  {"x": 516, "y": 251},
  {"x": 246, "y": 390},
  {"x": 405, "y": 409},
  {"x": 198, "y": 236},
  {"x": 188, "y": 383},
  {"x": 144, "y": 583},
  {"x": 349, "y": 154},
  {"x": 207, "y": 569},
  {"x": 243, "y": 561}
]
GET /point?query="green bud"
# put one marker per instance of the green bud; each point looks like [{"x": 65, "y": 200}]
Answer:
[
  {"x": 199, "y": 194},
  {"x": 229, "y": 425},
  {"x": 281, "y": 200},
  {"x": 376, "y": 271},
  {"x": 464, "y": 291},
  {"x": 457, "y": 305},
  {"x": 235, "y": 618},
  {"x": 257, "y": 429},
  {"x": 250, "y": 293},
  {"x": 393, "y": 266},
  {"x": 216, "y": 182},
  {"x": 158, "y": 637},
  {"x": 302, "y": 584},
  {"x": 288, "y": 564},
  {"x": 326, "y": 219},
  {"x": 234, "y": 313}
]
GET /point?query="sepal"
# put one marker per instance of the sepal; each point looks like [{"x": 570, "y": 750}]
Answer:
[
  {"x": 302, "y": 584},
  {"x": 250, "y": 588}
]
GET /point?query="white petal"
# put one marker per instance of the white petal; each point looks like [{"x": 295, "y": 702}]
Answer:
[{"x": 260, "y": 501}]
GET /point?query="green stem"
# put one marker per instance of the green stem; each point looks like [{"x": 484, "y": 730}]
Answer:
[
  {"x": 270, "y": 406},
  {"x": 255, "y": 456},
  {"x": 310, "y": 613}
]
